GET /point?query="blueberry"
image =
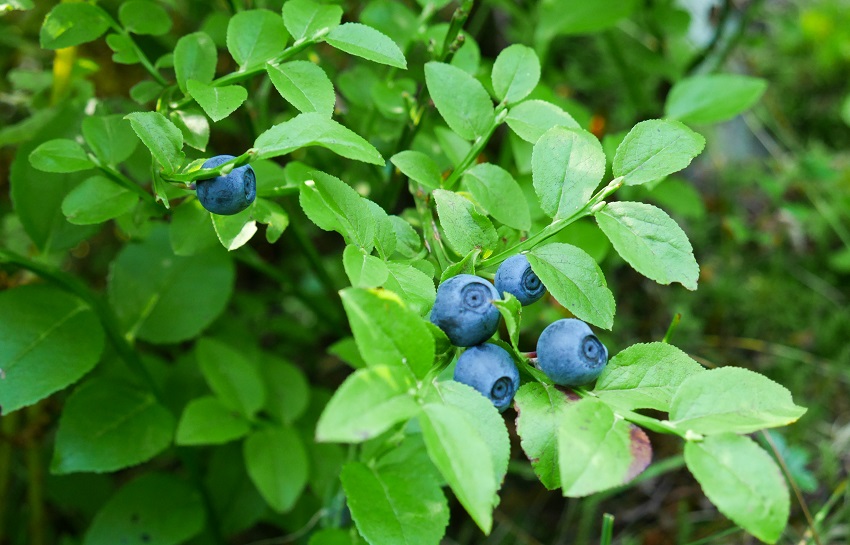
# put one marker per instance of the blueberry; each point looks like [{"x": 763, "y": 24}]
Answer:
[
  {"x": 489, "y": 369},
  {"x": 229, "y": 194},
  {"x": 464, "y": 310},
  {"x": 570, "y": 354},
  {"x": 516, "y": 277}
]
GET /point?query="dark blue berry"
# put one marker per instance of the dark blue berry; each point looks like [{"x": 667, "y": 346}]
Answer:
[
  {"x": 228, "y": 194},
  {"x": 464, "y": 310},
  {"x": 489, "y": 369},
  {"x": 516, "y": 277},
  {"x": 570, "y": 354}
]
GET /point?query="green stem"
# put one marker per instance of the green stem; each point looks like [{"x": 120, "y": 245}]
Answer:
[
  {"x": 592, "y": 206},
  {"x": 607, "y": 529},
  {"x": 8, "y": 426},
  {"x": 673, "y": 323},
  {"x": 408, "y": 133},
  {"x": 35, "y": 483},
  {"x": 476, "y": 149},
  {"x": 209, "y": 173},
  {"x": 122, "y": 180},
  {"x": 725, "y": 11},
  {"x": 143, "y": 59},
  {"x": 797, "y": 492},
  {"x": 239, "y": 76}
]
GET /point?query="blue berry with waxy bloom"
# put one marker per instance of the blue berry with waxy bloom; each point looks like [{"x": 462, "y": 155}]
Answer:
[
  {"x": 489, "y": 369},
  {"x": 570, "y": 354},
  {"x": 464, "y": 310},
  {"x": 230, "y": 193},
  {"x": 516, "y": 277}
]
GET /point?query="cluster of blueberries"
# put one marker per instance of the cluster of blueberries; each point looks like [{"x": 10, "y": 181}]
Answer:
[{"x": 567, "y": 351}]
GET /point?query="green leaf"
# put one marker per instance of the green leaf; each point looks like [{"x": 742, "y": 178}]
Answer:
[
  {"x": 161, "y": 137},
  {"x": 110, "y": 137},
  {"x": 408, "y": 242},
  {"x": 368, "y": 43},
  {"x": 654, "y": 149},
  {"x": 236, "y": 230},
  {"x": 466, "y": 229},
  {"x": 304, "y": 85},
  {"x": 515, "y": 73},
  {"x": 597, "y": 449},
  {"x": 575, "y": 280},
  {"x": 413, "y": 286},
  {"x": 122, "y": 48},
  {"x": 70, "y": 24},
  {"x": 304, "y": 18},
  {"x": 498, "y": 194},
  {"x": 144, "y": 17},
  {"x": 134, "y": 513},
  {"x": 711, "y": 98},
  {"x": 195, "y": 58},
  {"x": 385, "y": 237},
  {"x": 363, "y": 270},
  {"x": 418, "y": 167},
  {"x": 231, "y": 377},
  {"x": 194, "y": 125},
  {"x": 566, "y": 17},
  {"x": 163, "y": 298},
  {"x": 255, "y": 36},
  {"x": 50, "y": 340},
  {"x": 97, "y": 200},
  {"x": 314, "y": 129},
  {"x": 463, "y": 457},
  {"x": 217, "y": 102},
  {"x": 395, "y": 503},
  {"x": 368, "y": 403},
  {"x": 511, "y": 310},
  {"x": 487, "y": 420},
  {"x": 645, "y": 376},
  {"x": 732, "y": 399},
  {"x": 278, "y": 466},
  {"x": 464, "y": 266},
  {"x": 107, "y": 425},
  {"x": 743, "y": 481},
  {"x": 461, "y": 100},
  {"x": 287, "y": 389},
  {"x": 567, "y": 165},
  {"x": 191, "y": 231},
  {"x": 533, "y": 118},
  {"x": 333, "y": 205},
  {"x": 650, "y": 241},
  {"x": 540, "y": 407},
  {"x": 208, "y": 421},
  {"x": 387, "y": 333},
  {"x": 272, "y": 215},
  {"x": 37, "y": 195},
  {"x": 60, "y": 155}
]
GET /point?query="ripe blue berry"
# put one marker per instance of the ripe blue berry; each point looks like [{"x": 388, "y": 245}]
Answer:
[
  {"x": 229, "y": 194},
  {"x": 516, "y": 277},
  {"x": 489, "y": 369},
  {"x": 464, "y": 310},
  {"x": 570, "y": 354}
]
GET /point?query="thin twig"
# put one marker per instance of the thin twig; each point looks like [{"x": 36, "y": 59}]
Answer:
[{"x": 797, "y": 492}]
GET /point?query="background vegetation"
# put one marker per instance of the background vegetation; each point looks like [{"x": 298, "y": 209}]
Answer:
[{"x": 766, "y": 206}]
